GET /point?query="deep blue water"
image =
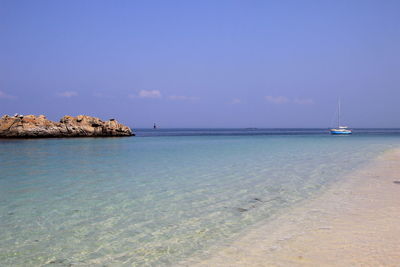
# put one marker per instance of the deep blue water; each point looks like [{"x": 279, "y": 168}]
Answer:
[
  {"x": 164, "y": 195},
  {"x": 257, "y": 131}
]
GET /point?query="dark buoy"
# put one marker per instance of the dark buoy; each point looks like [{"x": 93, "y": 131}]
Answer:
[{"x": 154, "y": 126}]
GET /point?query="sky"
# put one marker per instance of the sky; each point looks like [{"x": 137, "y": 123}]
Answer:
[{"x": 223, "y": 64}]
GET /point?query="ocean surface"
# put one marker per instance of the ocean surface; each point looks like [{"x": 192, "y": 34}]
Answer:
[{"x": 165, "y": 195}]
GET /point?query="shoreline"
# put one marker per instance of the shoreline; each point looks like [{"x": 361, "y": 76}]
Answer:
[{"x": 354, "y": 222}]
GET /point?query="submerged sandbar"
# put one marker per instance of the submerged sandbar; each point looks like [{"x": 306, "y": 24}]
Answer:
[{"x": 353, "y": 223}]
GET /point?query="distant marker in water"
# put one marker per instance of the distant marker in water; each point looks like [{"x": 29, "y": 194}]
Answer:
[{"x": 154, "y": 126}]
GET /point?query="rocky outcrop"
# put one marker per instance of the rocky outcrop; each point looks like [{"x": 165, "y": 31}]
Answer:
[{"x": 30, "y": 126}]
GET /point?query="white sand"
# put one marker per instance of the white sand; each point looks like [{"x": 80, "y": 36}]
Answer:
[{"x": 356, "y": 222}]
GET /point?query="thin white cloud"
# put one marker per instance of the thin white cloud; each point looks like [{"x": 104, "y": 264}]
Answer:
[
  {"x": 182, "y": 97},
  {"x": 146, "y": 94},
  {"x": 236, "y": 101},
  {"x": 304, "y": 101},
  {"x": 67, "y": 94},
  {"x": 149, "y": 94},
  {"x": 4, "y": 95},
  {"x": 277, "y": 99},
  {"x": 284, "y": 100}
]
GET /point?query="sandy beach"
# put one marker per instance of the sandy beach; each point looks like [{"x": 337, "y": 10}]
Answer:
[{"x": 355, "y": 222}]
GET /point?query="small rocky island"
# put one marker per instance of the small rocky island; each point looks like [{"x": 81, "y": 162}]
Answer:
[{"x": 31, "y": 126}]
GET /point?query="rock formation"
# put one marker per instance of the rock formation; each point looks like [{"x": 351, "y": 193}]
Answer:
[{"x": 30, "y": 126}]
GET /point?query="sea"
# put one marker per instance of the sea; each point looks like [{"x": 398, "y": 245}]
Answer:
[{"x": 165, "y": 195}]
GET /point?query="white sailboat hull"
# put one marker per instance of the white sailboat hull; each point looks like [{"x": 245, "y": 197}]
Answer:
[{"x": 341, "y": 131}]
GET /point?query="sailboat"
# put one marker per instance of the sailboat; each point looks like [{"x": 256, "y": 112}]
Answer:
[{"x": 340, "y": 130}]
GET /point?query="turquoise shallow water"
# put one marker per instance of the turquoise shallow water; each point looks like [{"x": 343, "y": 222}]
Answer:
[{"x": 153, "y": 201}]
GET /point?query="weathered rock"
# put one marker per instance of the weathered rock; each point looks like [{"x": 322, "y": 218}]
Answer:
[{"x": 80, "y": 126}]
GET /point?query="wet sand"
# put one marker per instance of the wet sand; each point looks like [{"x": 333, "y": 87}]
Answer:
[{"x": 355, "y": 222}]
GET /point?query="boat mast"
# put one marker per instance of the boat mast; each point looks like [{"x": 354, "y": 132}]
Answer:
[{"x": 339, "y": 106}]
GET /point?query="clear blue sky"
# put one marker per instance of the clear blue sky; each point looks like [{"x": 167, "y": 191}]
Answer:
[{"x": 203, "y": 63}]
